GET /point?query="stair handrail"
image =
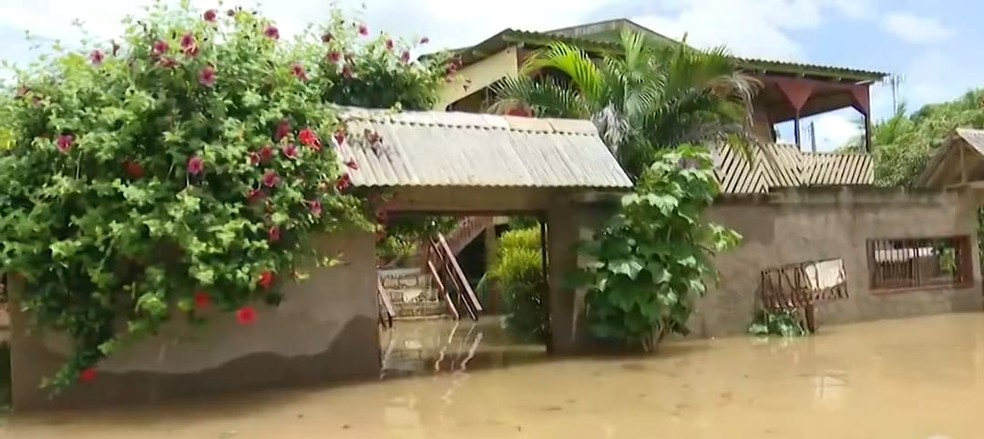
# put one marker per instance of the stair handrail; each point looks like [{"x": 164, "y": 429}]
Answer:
[
  {"x": 458, "y": 277},
  {"x": 443, "y": 291},
  {"x": 389, "y": 313},
  {"x": 466, "y": 229}
]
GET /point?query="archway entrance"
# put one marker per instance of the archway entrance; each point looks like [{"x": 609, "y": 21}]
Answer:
[{"x": 474, "y": 165}]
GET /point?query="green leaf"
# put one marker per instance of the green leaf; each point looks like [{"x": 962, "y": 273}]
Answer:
[{"x": 630, "y": 268}]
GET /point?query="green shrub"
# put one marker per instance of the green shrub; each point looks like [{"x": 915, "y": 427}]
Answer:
[
  {"x": 781, "y": 323},
  {"x": 654, "y": 257},
  {"x": 183, "y": 167},
  {"x": 518, "y": 275}
]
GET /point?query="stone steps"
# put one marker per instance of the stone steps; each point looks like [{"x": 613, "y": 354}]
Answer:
[{"x": 412, "y": 293}]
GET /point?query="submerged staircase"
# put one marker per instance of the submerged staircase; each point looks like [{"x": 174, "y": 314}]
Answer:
[{"x": 437, "y": 286}]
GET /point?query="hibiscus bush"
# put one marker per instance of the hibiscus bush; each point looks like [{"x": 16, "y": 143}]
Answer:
[{"x": 183, "y": 168}]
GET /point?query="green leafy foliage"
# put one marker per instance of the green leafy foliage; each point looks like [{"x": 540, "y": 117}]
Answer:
[
  {"x": 518, "y": 274},
  {"x": 652, "y": 259},
  {"x": 778, "y": 323},
  {"x": 644, "y": 98},
  {"x": 184, "y": 168}
]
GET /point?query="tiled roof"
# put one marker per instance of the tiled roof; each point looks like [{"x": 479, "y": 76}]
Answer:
[
  {"x": 466, "y": 149},
  {"x": 787, "y": 166}
]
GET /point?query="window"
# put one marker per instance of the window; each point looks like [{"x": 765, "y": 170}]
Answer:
[
  {"x": 803, "y": 284},
  {"x": 919, "y": 263}
]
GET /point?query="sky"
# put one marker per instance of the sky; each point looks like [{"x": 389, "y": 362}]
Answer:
[{"x": 931, "y": 45}]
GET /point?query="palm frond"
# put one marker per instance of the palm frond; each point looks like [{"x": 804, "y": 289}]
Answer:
[
  {"x": 572, "y": 62},
  {"x": 545, "y": 96}
]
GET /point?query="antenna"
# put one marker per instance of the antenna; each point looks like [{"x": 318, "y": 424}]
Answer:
[{"x": 895, "y": 82}]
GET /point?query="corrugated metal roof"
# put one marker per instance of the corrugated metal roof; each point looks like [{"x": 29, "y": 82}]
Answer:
[
  {"x": 467, "y": 149},
  {"x": 787, "y": 166},
  {"x": 500, "y": 40}
]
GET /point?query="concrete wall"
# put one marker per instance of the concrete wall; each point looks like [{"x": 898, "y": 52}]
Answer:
[
  {"x": 814, "y": 224},
  {"x": 325, "y": 330}
]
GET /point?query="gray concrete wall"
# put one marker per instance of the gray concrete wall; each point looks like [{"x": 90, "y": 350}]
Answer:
[
  {"x": 814, "y": 224},
  {"x": 325, "y": 330}
]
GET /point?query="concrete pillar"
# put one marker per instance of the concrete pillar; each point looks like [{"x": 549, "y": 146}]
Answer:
[
  {"x": 491, "y": 256},
  {"x": 567, "y": 225}
]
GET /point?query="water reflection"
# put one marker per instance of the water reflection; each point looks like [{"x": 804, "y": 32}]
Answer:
[
  {"x": 915, "y": 378},
  {"x": 426, "y": 347}
]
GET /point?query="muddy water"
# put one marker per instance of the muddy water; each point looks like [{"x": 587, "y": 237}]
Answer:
[{"x": 916, "y": 378}]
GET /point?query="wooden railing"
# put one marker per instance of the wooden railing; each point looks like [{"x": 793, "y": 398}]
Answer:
[
  {"x": 467, "y": 230},
  {"x": 442, "y": 291},
  {"x": 386, "y": 311},
  {"x": 450, "y": 280}
]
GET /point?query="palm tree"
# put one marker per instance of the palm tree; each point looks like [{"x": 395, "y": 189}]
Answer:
[
  {"x": 884, "y": 132},
  {"x": 644, "y": 98}
]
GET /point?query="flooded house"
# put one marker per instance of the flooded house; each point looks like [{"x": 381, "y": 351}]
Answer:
[{"x": 818, "y": 234}]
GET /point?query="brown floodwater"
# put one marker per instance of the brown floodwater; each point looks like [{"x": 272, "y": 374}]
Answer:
[{"x": 916, "y": 378}]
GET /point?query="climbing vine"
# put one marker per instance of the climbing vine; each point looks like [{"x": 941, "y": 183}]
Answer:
[
  {"x": 182, "y": 168},
  {"x": 653, "y": 259}
]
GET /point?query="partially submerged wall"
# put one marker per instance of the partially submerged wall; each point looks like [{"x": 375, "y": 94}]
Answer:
[
  {"x": 325, "y": 330},
  {"x": 812, "y": 224}
]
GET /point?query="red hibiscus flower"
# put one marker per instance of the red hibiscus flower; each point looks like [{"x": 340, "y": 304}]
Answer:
[
  {"x": 299, "y": 72},
  {"x": 65, "y": 142},
  {"x": 88, "y": 375},
  {"x": 405, "y": 57},
  {"x": 344, "y": 182},
  {"x": 97, "y": 57},
  {"x": 188, "y": 44},
  {"x": 195, "y": 165},
  {"x": 389, "y": 44},
  {"x": 202, "y": 300},
  {"x": 160, "y": 47},
  {"x": 266, "y": 154},
  {"x": 273, "y": 235},
  {"x": 290, "y": 151},
  {"x": 315, "y": 207},
  {"x": 334, "y": 56},
  {"x": 246, "y": 315},
  {"x": 351, "y": 164},
  {"x": 266, "y": 280},
  {"x": 272, "y": 32},
  {"x": 381, "y": 216},
  {"x": 425, "y": 40},
  {"x": 270, "y": 178},
  {"x": 518, "y": 111},
  {"x": 326, "y": 37},
  {"x": 255, "y": 195},
  {"x": 283, "y": 129},
  {"x": 133, "y": 169},
  {"x": 347, "y": 72},
  {"x": 254, "y": 158},
  {"x": 210, "y": 15},
  {"x": 308, "y": 137},
  {"x": 207, "y": 76},
  {"x": 363, "y": 30},
  {"x": 340, "y": 136}
]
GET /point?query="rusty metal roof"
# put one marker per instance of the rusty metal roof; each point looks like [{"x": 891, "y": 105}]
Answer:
[
  {"x": 787, "y": 166},
  {"x": 467, "y": 149}
]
